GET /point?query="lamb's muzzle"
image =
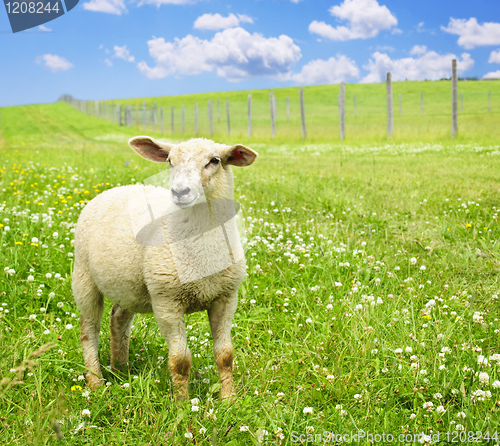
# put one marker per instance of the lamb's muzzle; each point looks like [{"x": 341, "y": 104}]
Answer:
[{"x": 194, "y": 267}]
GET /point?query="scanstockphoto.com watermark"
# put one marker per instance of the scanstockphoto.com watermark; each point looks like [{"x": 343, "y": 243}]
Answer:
[{"x": 361, "y": 436}]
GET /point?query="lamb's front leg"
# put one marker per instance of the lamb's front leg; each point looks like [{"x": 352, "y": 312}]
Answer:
[
  {"x": 171, "y": 324},
  {"x": 221, "y": 315}
]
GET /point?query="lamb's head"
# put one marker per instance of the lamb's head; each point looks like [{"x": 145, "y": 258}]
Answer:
[{"x": 199, "y": 167}]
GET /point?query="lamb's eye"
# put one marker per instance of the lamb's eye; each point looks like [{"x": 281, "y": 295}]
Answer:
[{"x": 214, "y": 161}]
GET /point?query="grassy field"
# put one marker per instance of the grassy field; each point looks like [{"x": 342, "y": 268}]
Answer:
[
  {"x": 368, "y": 125},
  {"x": 371, "y": 302}
]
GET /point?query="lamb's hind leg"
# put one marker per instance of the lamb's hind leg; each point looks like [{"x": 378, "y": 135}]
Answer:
[
  {"x": 120, "y": 327},
  {"x": 91, "y": 303}
]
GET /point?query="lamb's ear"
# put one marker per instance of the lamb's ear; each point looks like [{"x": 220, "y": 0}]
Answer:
[
  {"x": 150, "y": 149},
  {"x": 239, "y": 155}
]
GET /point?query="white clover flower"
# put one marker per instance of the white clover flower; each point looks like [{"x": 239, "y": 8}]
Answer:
[
  {"x": 496, "y": 384},
  {"x": 55, "y": 234},
  {"x": 194, "y": 401},
  {"x": 60, "y": 304},
  {"x": 429, "y": 405},
  {"x": 30, "y": 278},
  {"x": 69, "y": 326},
  {"x": 423, "y": 372},
  {"x": 48, "y": 276},
  {"x": 413, "y": 261},
  {"x": 46, "y": 332},
  {"x": 408, "y": 350},
  {"x": 188, "y": 435},
  {"x": 438, "y": 396},
  {"x": 461, "y": 415},
  {"x": 32, "y": 317},
  {"x": 482, "y": 360},
  {"x": 309, "y": 320},
  {"x": 412, "y": 416},
  {"x": 125, "y": 385},
  {"x": 484, "y": 378},
  {"x": 440, "y": 410},
  {"x": 374, "y": 351},
  {"x": 195, "y": 408},
  {"x": 398, "y": 351},
  {"x": 308, "y": 410},
  {"x": 202, "y": 430},
  {"x": 332, "y": 377},
  {"x": 423, "y": 268},
  {"x": 86, "y": 413},
  {"x": 244, "y": 429},
  {"x": 329, "y": 307}
]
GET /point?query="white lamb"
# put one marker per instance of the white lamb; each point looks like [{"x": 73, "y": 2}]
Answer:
[{"x": 145, "y": 276}]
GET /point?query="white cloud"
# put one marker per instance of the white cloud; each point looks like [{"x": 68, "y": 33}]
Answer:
[
  {"x": 45, "y": 29},
  {"x": 331, "y": 71},
  {"x": 430, "y": 65},
  {"x": 108, "y": 62},
  {"x": 366, "y": 19},
  {"x": 107, "y": 6},
  {"x": 216, "y": 22},
  {"x": 492, "y": 75},
  {"x": 54, "y": 63},
  {"x": 494, "y": 57},
  {"x": 473, "y": 34},
  {"x": 234, "y": 54},
  {"x": 121, "y": 52},
  {"x": 418, "y": 50}
]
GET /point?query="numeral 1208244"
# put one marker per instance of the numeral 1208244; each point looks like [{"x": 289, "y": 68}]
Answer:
[{"x": 31, "y": 7}]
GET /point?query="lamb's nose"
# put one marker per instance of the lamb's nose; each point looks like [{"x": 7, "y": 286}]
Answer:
[{"x": 181, "y": 192}]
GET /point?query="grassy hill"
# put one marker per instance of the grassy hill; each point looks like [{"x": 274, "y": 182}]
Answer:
[{"x": 371, "y": 302}]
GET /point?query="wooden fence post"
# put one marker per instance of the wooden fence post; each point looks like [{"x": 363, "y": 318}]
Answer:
[
  {"x": 249, "y": 115},
  {"x": 454, "y": 119},
  {"x": 342, "y": 110},
  {"x": 196, "y": 118},
  {"x": 228, "y": 119},
  {"x": 390, "y": 117},
  {"x": 302, "y": 112},
  {"x": 271, "y": 105}
]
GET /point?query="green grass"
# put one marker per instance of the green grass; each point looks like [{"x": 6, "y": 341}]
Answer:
[
  {"x": 339, "y": 236},
  {"x": 368, "y": 126}
]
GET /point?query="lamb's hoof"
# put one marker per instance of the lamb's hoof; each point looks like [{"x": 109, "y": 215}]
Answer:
[
  {"x": 93, "y": 381},
  {"x": 229, "y": 396}
]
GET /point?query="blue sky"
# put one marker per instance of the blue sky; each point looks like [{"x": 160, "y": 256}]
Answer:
[{"x": 105, "y": 49}]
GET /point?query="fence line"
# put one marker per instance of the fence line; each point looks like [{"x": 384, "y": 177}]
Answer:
[{"x": 143, "y": 115}]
